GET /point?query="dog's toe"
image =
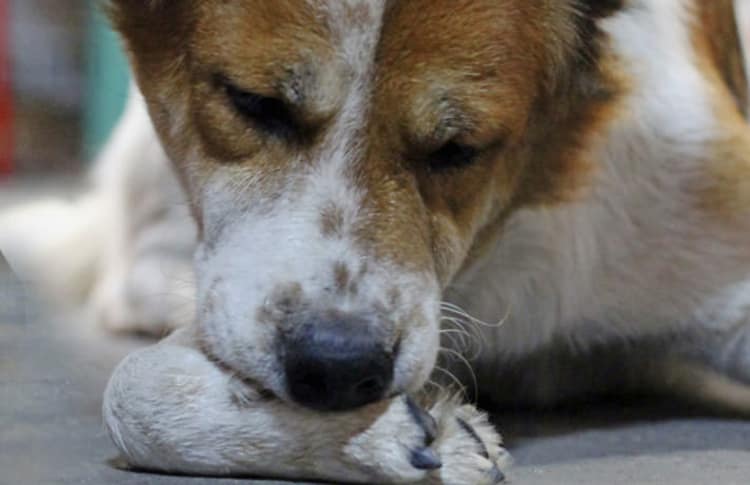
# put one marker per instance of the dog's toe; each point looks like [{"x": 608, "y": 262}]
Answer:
[
  {"x": 496, "y": 475},
  {"x": 426, "y": 459},
  {"x": 469, "y": 447},
  {"x": 423, "y": 419}
]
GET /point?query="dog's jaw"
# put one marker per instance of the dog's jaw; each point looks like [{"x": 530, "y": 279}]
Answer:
[
  {"x": 276, "y": 249},
  {"x": 260, "y": 267}
]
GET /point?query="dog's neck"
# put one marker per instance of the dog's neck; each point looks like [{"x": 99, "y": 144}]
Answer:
[{"x": 598, "y": 259}]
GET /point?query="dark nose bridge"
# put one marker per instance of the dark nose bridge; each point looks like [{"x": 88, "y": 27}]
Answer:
[
  {"x": 336, "y": 362},
  {"x": 342, "y": 331}
]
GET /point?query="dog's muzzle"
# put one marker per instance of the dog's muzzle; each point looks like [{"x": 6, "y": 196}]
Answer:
[{"x": 337, "y": 362}]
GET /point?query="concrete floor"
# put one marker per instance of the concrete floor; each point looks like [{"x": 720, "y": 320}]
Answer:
[{"x": 52, "y": 375}]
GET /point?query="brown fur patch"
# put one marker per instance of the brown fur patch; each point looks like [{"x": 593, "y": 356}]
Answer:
[
  {"x": 342, "y": 277},
  {"x": 728, "y": 193},
  {"x": 717, "y": 40},
  {"x": 724, "y": 190},
  {"x": 520, "y": 82},
  {"x": 283, "y": 301},
  {"x": 332, "y": 221},
  {"x": 532, "y": 116}
]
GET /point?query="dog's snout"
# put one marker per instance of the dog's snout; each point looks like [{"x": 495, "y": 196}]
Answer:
[{"x": 337, "y": 363}]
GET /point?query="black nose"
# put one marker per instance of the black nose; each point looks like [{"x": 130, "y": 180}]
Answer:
[{"x": 337, "y": 363}]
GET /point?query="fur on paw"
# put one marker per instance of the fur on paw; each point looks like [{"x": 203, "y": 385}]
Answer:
[
  {"x": 452, "y": 444},
  {"x": 469, "y": 446}
]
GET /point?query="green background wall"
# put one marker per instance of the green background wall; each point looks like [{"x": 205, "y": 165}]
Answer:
[{"x": 107, "y": 81}]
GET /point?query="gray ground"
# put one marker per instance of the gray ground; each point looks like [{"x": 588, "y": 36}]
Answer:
[{"x": 52, "y": 376}]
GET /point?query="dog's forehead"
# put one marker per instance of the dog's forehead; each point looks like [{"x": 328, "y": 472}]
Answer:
[
  {"x": 355, "y": 29},
  {"x": 406, "y": 29},
  {"x": 266, "y": 41},
  {"x": 351, "y": 15}
]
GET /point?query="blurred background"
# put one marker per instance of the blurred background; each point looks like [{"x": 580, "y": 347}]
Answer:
[{"x": 63, "y": 81}]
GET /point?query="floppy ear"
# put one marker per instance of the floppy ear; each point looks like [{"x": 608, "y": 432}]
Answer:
[
  {"x": 157, "y": 20},
  {"x": 600, "y": 8},
  {"x": 589, "y": 13},
  {"x": 126, "y": 12},
  {"x": 723, "y": 45},
  {"x": 155, "y": 33},
  {"x": 138, "y": 7}
]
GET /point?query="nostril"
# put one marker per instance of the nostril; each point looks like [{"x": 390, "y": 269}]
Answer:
[
  {"x": 309, "y": 382},
  {"x": 370, "y": 386}
]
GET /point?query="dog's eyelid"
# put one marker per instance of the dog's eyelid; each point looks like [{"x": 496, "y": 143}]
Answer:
[
  {"x": 252, "y": 103},
  {"x": 453, "y": 155},
  {"x": 222, "y": 82},
  {"x": 271, "y": 114}
]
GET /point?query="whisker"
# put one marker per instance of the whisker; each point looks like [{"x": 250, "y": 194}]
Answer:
[
  {"x": 468, "y": 343},
  {"x": 471, "y": 339},
  {"x": 461, "y": 358},
  {"x": 459, "y": 333},
  {"x": 461, "y": 325},
  {"x": 440, "y": 388},
  {"x": 461, "y": 313},
  {"x": 454, "y": 341},
  {"x": 461, "y": 387}
]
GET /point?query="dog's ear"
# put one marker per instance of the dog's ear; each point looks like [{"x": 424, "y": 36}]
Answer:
[
  {"x": 134, "y": 17},
  {"x": 135, "y": 7},
  {"x": 155, "y": 33},
  {"x": 589, "y": 12},
  {"x": 600, "y": 8}
]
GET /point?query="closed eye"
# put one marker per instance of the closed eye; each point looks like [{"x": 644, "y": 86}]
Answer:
[
  {"x": 452, "y": 155},
  {"x": 268, "y": 114}
]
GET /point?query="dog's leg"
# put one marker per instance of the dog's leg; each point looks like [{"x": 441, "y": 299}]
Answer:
[
  {"x": 714, "y": 369},
  {"x": 145, "y": 281},
  {"x": 169, "y": 408},
  {"x": 697, "y": 382}
]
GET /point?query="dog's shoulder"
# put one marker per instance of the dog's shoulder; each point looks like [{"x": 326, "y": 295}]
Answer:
[
  {"x": 719, "y": 47},
  {"x": 721, "y": 60}
]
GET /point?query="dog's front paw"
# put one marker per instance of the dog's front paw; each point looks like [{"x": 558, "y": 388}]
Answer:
[
  {"x": 469, "y": 446},
  {"x": 156, "y": 404},
  {"x": 451, "y": 444}
]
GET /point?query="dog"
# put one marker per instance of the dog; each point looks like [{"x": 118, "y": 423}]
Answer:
[{"x": 344, "y": 206}]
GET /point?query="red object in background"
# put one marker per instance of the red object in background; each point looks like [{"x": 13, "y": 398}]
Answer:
[{"x": 6, "y": 93}]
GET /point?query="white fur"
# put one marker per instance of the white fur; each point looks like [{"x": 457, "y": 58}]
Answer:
[
  {"x": 145, "y": 281},
  {"x": 633, "y": 257},
  {"x": 622, "y": 261},
  {"x": 254, "y": 246},
  {"x": 208, "y": 423}
]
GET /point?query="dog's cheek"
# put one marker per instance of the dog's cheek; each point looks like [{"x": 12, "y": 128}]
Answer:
[
  {"x": 229, "y": 331},
  {"x": 419, "y": 346}
]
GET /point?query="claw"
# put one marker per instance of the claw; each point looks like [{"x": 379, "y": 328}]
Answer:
[
  {"x": 473, "y": 433},
  {"x": 497, "y": 475},
  {"x": 425, "y": 459},
  {"x": 423, "y": 419}
]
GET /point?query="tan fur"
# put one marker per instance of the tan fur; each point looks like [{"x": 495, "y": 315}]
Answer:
[
  {"x": 484, "y": 97},
  {"x": 608, "y": 202}
]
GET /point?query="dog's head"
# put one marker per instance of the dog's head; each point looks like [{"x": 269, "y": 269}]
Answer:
[{"x": 345, "y": 159}]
